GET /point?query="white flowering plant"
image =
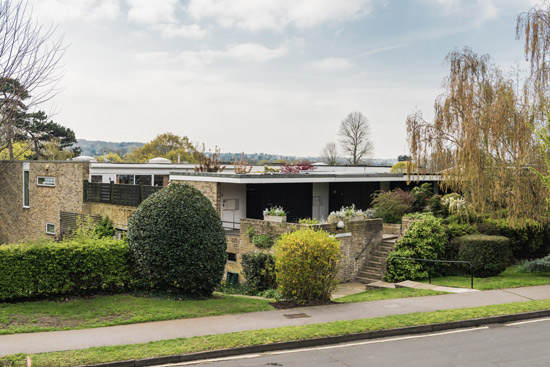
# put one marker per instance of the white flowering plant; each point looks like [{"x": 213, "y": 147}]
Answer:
[
  {"x": 346, "y": 214},
  {"x": 276, "y": 211}
]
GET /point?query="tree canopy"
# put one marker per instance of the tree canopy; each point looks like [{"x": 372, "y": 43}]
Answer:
[
  {"x": 165, "y": 145},
  {"x": 480, "y": 140}
]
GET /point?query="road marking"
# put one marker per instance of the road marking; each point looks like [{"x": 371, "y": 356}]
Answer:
[
  {"x": 246, "y": 356},
  {"x": 528, "y": 321}
]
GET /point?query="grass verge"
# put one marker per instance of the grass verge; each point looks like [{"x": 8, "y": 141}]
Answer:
[
  {"x": 102, "y": 311},
  {"x": 265, "y": 336},
  {"x": 380, "y": 294},
  {"x": 510, "y": 278}
]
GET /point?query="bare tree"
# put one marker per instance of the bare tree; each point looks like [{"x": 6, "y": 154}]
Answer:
[
  {"x": 30, "y": 55},
  {"x": 355, "y": 137},
  {"x": 329, "y": 154}
]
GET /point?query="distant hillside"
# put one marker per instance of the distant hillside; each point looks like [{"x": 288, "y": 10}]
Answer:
[{"x": 97, "y": 147}]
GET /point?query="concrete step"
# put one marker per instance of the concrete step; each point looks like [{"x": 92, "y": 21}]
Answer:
[
  {"x": 368, "y": 280},
  {"x": 370, "y": 264},
  {"x": 389, "y": 236},
  {"x": 377, "y": 257},
  {"x": 369, "y": 274},
  {"x": 379, "y": 285}
]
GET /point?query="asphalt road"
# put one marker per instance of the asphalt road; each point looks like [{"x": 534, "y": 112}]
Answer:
[{"x": 522, "y": 344}]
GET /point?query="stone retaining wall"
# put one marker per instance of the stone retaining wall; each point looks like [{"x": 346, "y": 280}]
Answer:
[{"x": 357, "y": 241}]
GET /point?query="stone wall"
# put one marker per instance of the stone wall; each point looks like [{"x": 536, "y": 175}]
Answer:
[
  {"x": 212, "y": 190},
  {"x": 392, "y": 228},
  {"x": 45, "y": 203},
  {"x": 357, "y": 240}
]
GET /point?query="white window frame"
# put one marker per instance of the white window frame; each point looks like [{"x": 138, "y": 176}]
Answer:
[
  {"x": 50, "y": 232},
  {"x": 27, "y": 170},
  {"x": 49, "y": 179}
]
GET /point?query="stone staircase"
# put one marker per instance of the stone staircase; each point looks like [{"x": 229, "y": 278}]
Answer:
[{"x": 373, "y": 270}]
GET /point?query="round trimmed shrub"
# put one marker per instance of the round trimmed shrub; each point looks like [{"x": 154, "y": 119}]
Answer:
[
  {"x": 178, "y": 242},
  {"x": 306, "y": 264},
  {"x": 489, "y": 255}
]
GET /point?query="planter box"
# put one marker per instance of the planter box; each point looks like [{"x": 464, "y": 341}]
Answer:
[{"x": 275, "y": 218}]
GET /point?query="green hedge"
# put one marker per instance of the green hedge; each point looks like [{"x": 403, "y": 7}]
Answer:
[
  {"x": 489, "y": 255},
  {"x": 532, "y": 240},
  {"x": 259, "y": 270},
  {"x": 46, "y": 269}
]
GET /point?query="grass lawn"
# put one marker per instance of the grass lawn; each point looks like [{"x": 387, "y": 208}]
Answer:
[
  {"x": 510, "y": 278},
  {"x": 240, "y": 339},
  {"x": 27, "y": 317},
  {"x": 101, "y": 311},
  {"x": 379, "y": 294}
]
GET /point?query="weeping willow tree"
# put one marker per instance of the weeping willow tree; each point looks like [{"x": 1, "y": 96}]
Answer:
[
  {"x": 480, "y": 140},
  {"x": 533, "y": 27}
]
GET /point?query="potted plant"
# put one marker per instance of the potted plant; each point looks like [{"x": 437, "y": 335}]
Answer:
[{"x": 275, "y": 214}]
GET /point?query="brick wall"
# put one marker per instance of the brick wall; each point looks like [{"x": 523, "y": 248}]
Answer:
[
  {"x": 46, "y": 203},
  {"x": 212, "y": 190},
  {"x": 364, "y": 237},
  {"x": 119, "y": 214}
]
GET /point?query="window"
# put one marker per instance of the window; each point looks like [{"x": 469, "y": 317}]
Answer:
[
  {"x": 97, "y": 178},
  {"x": 143, "y": 180},
  {"x": 161, "y": 180},
  {"x": 50, "y": 228},
  {"x": 231, "y": 256},
  {"x": 45, "y": 181},
  {"x": 125, "y": 179},
  {"x": 26, "y": 181}
]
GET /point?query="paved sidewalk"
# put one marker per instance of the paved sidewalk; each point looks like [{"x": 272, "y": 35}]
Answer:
[{"x": 152, "y": 331}]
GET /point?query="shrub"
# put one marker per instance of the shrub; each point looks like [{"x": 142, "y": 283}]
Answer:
[
  {"x": 105, "y": 228},
  {"x": 421, "y": 195},
  {"x": 178, "y": 242},
  {"x": 47, "y": 269},
  {"x": 526, "y": 242},
  {"x": 436, "y": 206},
  {"x": 489, "y": 255},
  {"x": 453, "y": 231},
  {"x": 309, "y": 221},
  {"x": 389, "y": 206},
  {"x": 259, "y": 270},
  {"x": 425, "y": 239},
  {"x": 306, "y": 264},
  {"x": 457, "y": 206},
  {"x": 536, "y": 266}
]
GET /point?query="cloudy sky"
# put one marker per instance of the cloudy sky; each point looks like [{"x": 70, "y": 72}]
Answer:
[{"x": 274, "y": 76}]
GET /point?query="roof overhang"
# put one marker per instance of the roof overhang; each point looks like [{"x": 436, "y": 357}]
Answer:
[{"x": 295, "y": 178}]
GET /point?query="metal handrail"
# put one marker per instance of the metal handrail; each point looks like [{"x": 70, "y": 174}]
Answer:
[
  {"x": 232, "y": 225},
  {"x": 442, "y": 261}
]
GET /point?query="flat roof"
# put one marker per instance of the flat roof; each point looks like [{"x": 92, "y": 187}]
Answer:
[{"x": 305, "y": 177}]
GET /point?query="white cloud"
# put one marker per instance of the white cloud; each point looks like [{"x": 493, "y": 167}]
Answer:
[
  {"x": 331, "y": 64},
  {"x": 246, "y": 52},
  {"x": 152, "y": 12},
  {"x": 70, "y": 10},
  {"x": 255, "y": 52},
  {"x": 177, "y": 30},
  {"x": 268, "y": 14}
]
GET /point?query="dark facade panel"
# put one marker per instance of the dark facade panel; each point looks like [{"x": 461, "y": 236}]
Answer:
[{"x": 296, "y": 199}]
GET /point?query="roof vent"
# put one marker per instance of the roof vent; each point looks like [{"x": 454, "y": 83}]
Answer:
[
  {"x": 84, "y": 158},
  {"x": 160, "y": 160}
]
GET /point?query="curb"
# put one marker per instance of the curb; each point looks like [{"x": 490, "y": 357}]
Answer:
[{"x": 263, "y": 348}]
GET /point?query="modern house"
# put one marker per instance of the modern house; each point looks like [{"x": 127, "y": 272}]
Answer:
[{"x": 44, "y": 198}]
